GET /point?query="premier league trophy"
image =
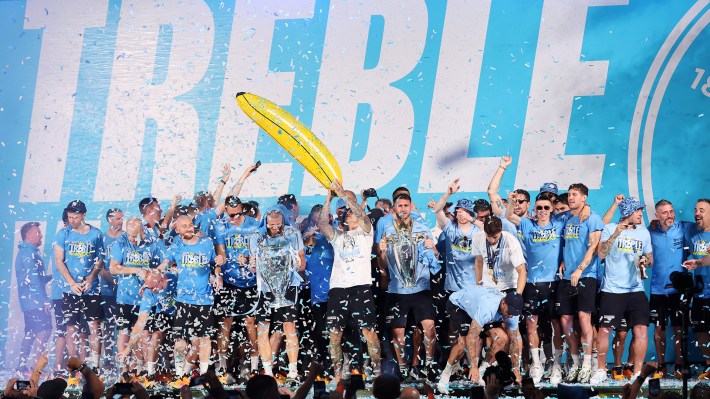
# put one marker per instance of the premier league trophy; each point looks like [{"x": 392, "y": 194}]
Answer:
[
  {"x": 275, "y": 263},
  {"x": 403, "y": 254}
]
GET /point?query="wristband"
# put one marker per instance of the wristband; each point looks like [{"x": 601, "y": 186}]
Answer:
[
  {"x": 222, "y": 181},
  {"x": 81, "y": 367}
]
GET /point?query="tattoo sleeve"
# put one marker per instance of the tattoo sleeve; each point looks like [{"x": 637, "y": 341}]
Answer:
[
  {"x": 606, "y": 246},
  {"x": 324, "y": 222}
]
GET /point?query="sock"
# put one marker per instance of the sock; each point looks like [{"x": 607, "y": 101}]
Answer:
[
  {"x": 94, "y": 360},
  {"x": 587, "y": 361},
  {"x": 535, "y": 356},
  {"x": 222, "y": 363},
  {"x": 557, "y": 356},
  {"x": 151, "y": 368},
  {"x": 292, "y": 368},
  {"x": 429, "y": 362},
  {"x": 267, "y": 368},
  {"x": 204, "y": 366},
  {"x": 179, "y": 365},
  {"x": 575, "y": 360},
  {"x": 254, "y": 362},
  {"x": 187, "y": 368},
  {"x": 448, "y": 369}
]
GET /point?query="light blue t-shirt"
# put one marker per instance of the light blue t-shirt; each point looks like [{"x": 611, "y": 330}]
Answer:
[
  {"x": 480, "y": 303},
  {"x": 287, "y": 244},
  {"x": 32, "y": 278},
  {"x": 427, "y": 262},
  {"x": 163, "y": 301},
  {"x": 207, "y": 222},
  {"x": 700, "y": 247},
  {"x": 236, "y": 242},
  {"x": 667, "y": 255},
  {"x": 147, "y": 255},
  {"x": 576, "y": 235},
  {"x": 81, "y": 252},
  {"x": 319, "y": 264},
  {"x": 108, "y": 289},
  {"x": 388, "y": 220},
  {"x": 59, "y": 285},
  {"x": 194, "y": 268},
  {"x": 544, "y": 249},
  {"x": 460, "y": 271},
  {"x": 621, "y": 274}
]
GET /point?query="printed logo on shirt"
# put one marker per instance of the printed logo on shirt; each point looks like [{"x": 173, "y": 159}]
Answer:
[
  {"x": 678, "y": 243},
  {"x": 629, "y": 245},
  {"x": 544, "y": 235},
  {"x": 572, "y": 231},
  {"x": 138, "y": 258},
  {"x": 194, "y": 260},
  {"x": 350, "y": 249},
  {"x": 462, "y": 244},
  {"x": 700, "y": 248},
  {"x": 236, "y": 241},
  {"x": 81, "y": 248}
]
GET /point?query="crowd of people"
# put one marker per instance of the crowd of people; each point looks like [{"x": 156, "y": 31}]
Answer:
[{"x": 245, "y": 289}]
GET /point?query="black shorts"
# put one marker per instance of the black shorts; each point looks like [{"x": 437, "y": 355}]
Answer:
[
  {"x": 459, "y": 321},
  {"x": 247, "y": 298},
  {"x": 631, "y": 306},
  {"x": 225, "y": 302},
  {"x": 160, "y": 322},
  {"x": 700, "y": 315},
  {"x": 420, "y": 304},
  {"x": 126, "y": 316},
  {"x": 61, "y": 324},
  {"x": 192, "y": 321},
  {"x": 352, "y": 302},
  {"x": 37, "y": 320},
  {"x": 77, "y": 308},
  {"x": 108, "y": 306},
  {"x": 582, "y": 298},
  {"x": 663, "y": 307},
  {"x": 265, "y": 314},
  {"x": 540, "y": 299}
]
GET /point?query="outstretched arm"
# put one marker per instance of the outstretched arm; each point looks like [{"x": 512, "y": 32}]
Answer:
[
  {"x": 441, "y": 219},
  {"x": 494, "y": 186},
  {"x": 609, "y": 215},
  {"x": 510, "y": 213},
  {"x": 324, "y": 219},
  {"x": 226, "y": 171},
  {"x": 165, "y": 224},
  {"x": 236, "y": 188},
  {"x": 357, "y": 210}
]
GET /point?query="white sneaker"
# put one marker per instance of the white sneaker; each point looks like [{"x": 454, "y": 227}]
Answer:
[
  {"x": 585, "y": 373},
  {"x": 443, "y": 385},
  {"x": 536, "y": 373},
  {"x": 598, "y": 377},
  {"x": 572, "y": 374},
  {"x": 556, "y": 375},
  {"x": 292, "y": 375},
  {"x": 636, "y": 375}
]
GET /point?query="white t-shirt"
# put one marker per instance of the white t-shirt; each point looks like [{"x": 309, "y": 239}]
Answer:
[
  {"x": 499, "y": 271},
  {"x": 351, "y": 263}
]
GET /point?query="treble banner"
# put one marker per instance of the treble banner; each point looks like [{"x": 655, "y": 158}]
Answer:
[{"x": 110, "y": 101}]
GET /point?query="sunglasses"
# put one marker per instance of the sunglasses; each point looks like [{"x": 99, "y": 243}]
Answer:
[
  {"x": 233, "y": 215},
  {"x": 541, "y": 207},
  {"x": 521, "y": 201}
]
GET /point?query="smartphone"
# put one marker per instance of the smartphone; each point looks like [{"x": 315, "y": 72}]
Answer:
[
  {"x": 123, "y": 388},
  {"x": 198, "y": 381},
  {"x": 356, "y": 382},
  {"x": 477, "y": 392},
  {"x": 256, "y": 166},
  {"x": 21, "y": 385},
  {"x": 319, "y": 390},
  {"x": 654, "y": 387}
]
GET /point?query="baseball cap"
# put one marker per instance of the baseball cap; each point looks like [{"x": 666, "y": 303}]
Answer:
[
  {"x": 76, "y": 206},
  {"x": 515, "y": 303},
  {"x": 466, "y": 204},
  {"x": 340, "y": 203},
  {"x": 628, "y": 206},
  {"x": 549, "y": 188}
]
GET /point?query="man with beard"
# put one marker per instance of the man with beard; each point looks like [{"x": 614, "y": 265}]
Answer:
[
  {"x": 416, "y": 299},
  {"x": 350, "y": 295},
  {"x": 577, "y": 291},
  {"x": 626, "y": 246},
  {"x": 191, "y": 258},
  {"x": 276, "y": 237},
  {"x": 699, "y": 239},
  {"x": 238, "y": 295}
]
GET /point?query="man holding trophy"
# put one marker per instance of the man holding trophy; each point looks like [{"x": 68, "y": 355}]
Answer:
[
  {"x": 408, "y": 250},
  {"x": 350, "y": 294},
  {"x": 276, "y": 256}
]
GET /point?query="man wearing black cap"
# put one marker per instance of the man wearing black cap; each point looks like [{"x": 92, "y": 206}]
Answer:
[
  {"x": 472, "y": 308},
  {"x": 78, "y": 259}
]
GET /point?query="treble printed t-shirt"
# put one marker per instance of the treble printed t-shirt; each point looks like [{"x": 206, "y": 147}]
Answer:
[
  {"x": 193, "y": 269},
  {"x": 621, "y": 273},
  {"x": 162, "y": 301},
  {"x": 577, "y": 242},
  {"x": 544, "y": 249},
  {"x": 460, "y": 271},
  {"x": 699, "y": 248},
  {"x": 81, "y": 252},
  {"x": 236, "y": 242},
  {"x": 147, "y": 255},
  {"x": 351, "y": 253}
]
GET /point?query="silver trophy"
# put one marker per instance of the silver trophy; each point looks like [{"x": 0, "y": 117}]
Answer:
[
  {"x": 275, "y": 263},
  {"x": 403, "y": 254}
]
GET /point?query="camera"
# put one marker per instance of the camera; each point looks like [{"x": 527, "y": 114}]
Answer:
[
  {"x": 21, "y": 385},
  {"x": 686, "y": 282},
  {"x": 370, "y": 193}
]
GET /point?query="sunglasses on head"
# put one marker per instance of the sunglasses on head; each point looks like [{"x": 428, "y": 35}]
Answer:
[
  {"x": 521, "y": 200},
  {"x": 541, "y": 207}
]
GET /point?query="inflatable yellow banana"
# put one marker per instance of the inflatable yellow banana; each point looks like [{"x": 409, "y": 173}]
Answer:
[{"x": 293, "y": 136}]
